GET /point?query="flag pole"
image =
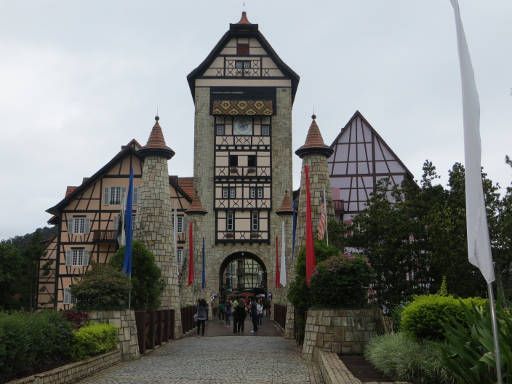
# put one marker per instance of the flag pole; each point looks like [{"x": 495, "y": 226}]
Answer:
[{"x": 495, "y": 333}]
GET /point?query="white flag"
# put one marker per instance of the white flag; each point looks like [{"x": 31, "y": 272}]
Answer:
[
  {"x": 479, "y": 247},
  {"x": 282, "y": 275}
]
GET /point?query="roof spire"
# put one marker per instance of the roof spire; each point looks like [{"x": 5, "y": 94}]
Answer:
[
  {"x": 156, "y": 143},
  {"x": 244, "y": 19},
  {"x": 314, "y": 142},
  {"x": 286, "y": 205}
]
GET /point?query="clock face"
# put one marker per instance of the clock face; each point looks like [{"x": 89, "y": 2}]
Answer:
[{"x": 242, "y": 126}]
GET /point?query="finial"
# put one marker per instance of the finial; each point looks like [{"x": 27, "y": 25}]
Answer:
[
  {"x": 313, "y": 116},
  {"x": 244, "y": 19},
  {"x": 157, "y": 118}
]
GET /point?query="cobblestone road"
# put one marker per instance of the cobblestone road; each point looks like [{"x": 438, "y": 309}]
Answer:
[{"x": 212, "y": 360}]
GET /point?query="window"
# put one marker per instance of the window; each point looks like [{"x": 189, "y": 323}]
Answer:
[
  {"x": 243, "y": 64},
  {"x": 179, "y": 224},
  {"x": 251, "y": 160},
  {"x": 79, "y": 224},
  {"x": 233, "y": 160},
  {"x": 77, "y": 257},
  {"x": 255, "y": 221},
  {"x": 265, "y": 130},
  {"x": 179, "y": 256},
  {"x": 220, "y": 129},
  {"x": 230, "y": 221},
  {"x": 68, "y": 297},
  {"x": 232, "y": 192},
  {"x": 229, "y": 192},
  {"x": 256, "y": 192},
  {"x": 113, "y": 195},
  {"x": 242, "y": 49}
]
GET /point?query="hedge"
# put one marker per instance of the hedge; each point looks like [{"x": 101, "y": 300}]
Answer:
[
  {"x": 31, "y": 342},
  {"x": 94, "y": 339},
  {"x": 425, "y": 316}
]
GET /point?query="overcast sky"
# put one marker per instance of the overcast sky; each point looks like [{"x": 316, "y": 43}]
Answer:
[{"x": 78, "y": 79}]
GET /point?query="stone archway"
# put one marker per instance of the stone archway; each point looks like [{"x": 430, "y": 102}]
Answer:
[{"x": 242, "y": 273}]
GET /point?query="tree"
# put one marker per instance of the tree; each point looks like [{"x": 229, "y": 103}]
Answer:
[{"x": 146, "y": 277}]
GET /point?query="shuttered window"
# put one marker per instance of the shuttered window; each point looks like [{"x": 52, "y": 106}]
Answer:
[{"x": 77, "y": 257}]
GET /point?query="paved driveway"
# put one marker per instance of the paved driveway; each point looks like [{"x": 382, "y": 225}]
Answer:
[{"x": 225, "y": 359}]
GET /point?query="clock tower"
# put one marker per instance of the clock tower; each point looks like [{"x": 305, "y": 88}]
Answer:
[{"x": 243, "y": 94}]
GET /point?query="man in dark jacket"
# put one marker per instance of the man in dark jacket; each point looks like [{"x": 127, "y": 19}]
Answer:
[
  {"x": 254, "y": 315},
  {"x": 238, "y": 317}
]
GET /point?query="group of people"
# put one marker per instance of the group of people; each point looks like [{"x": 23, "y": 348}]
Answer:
[{"x": 238, "y": 309}]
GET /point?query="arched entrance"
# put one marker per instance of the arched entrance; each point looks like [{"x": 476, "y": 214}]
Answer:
[{"x": 242, "y": 273}]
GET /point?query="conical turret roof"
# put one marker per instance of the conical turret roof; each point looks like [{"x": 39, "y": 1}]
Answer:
[
  {"x": 286, "y": 205},
  {"x": 156, "y": 143},
  {"x": 196, "y": 208},
  {"x": 314, "y": 142}
]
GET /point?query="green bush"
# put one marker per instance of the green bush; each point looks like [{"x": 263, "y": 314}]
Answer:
[
  {"x": 402, "y": 358},
  {"x": 424, "y": 317},
  {"x": 147, "y": 282},
  {"x": 298, "y": 292},
  {"x": 102, "y": 288},
  {"x": 94, "y": 339},
  {"x": 30, "y": 342},
  {"x": 468, "y": 352},
  {"x": 341, "y": 281}
]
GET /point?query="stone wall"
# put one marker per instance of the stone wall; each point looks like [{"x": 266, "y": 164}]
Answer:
[
  {"x": 153, "y": 226},
  {"x": 127, "y": 330},
  {"x": 71, "y": 373},
  {"x": 345, "y": 331}
]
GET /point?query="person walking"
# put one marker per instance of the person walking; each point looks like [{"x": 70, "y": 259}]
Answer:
[
  {"x": 254, "y": 315},
  {"x": 238, "y": 318},
  {"x": 201, "y": 316},
  {"x": 221, "y": 311},
  {"x": 259, "y": 308},
  {"x": 228, "y": 310}
]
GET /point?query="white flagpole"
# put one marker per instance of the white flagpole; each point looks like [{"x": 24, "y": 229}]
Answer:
[
  {"x": 326, "y": 219},
  {"x": 479, "y": 246},
  {"x": 282, "y": 276}
]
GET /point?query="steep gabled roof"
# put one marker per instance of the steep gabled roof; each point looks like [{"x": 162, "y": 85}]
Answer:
[
  {"x": 347, "y": 126},
  {"x": 130, "y": 148},
  {"x": 182, "y": 187},
  {"x": 286, "y": 205},
  {"x": 243, "y": 29}
]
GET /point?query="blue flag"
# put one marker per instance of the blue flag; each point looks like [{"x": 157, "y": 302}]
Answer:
[
  {"x": 203, "y": 272},
  {"x": 128, "y": 228}
]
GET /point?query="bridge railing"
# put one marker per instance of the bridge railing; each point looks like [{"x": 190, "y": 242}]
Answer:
[
  {"x": 154, "y": 328},
  {"x": 280, "y": 315}
]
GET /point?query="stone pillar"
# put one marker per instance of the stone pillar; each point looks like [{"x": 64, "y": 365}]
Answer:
[{"x": 153, "y": 224}]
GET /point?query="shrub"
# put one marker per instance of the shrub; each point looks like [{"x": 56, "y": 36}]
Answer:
[
  {"x": 298, "y": 292},
  {"x": 102, "y": 287},
  {"x": 76, "y": 318},
  {"x": 94, "y": 339},
  {"x": 30, "y": 342},
  {"x": 403, "y": 358},
  {"x": 468, "y": 353},
  {"x": 424, "y": 317},
  {"x": 147, "y": 282},
  {"x": 341, "y": 281}
]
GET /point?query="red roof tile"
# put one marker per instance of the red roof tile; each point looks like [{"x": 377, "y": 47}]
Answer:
[
  {"x": 187, "y": 184},
  {"x": 314, "y": 142},
  {"x": 156, "y": 142},
  {"x": 196, "y": 207},
  {"x": 70, "y": 189},
  {"x": 286, "y": 205}
]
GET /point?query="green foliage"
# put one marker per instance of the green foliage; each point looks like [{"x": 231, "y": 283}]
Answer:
[
  {"x": 32, "y": 341},
  {"x": 403, "y": 358},
  {"x": 94, "y": 339},
  {"x": 19, "y": 258},
  {"x": 298, "y": 292},
  {"x": 102, "y": 287},
  {"x": 425, "y": 316},
  {"x": 443, "y": 289},
  {"x": 341, "y": 282},
  {"x": 468, "y": 353},
  {"x": 147, "y": 282}
]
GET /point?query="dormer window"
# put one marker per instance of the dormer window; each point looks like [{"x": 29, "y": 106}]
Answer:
[{"x": 242, "y": 49}]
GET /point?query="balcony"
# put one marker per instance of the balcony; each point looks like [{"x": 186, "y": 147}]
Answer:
[
  {"x": 239, "y": 171},
  {"x": 104, "y": 236}
]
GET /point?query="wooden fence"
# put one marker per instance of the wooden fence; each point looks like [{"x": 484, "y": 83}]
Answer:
[
  {"x": 280, "y": 315},
  {"x": 187, "y": 318},
  {"x": 154, "y": 328}
]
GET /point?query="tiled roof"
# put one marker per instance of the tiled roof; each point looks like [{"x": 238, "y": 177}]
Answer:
[
  {"x": 314, "y": 142},
  {"x": 187, "y": 184},
  {"x": 156, "y": 142},
  {"x": 196, "y": 207},
  {"x": 70, "y": 189},
  {"x": 286, "y": 205}
]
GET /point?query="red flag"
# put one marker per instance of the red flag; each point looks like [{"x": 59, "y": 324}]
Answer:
[
  {"x": 278, "y": 273},
  {"x": 190, "y": 254},
  {"x": 310, "y": 246}
]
